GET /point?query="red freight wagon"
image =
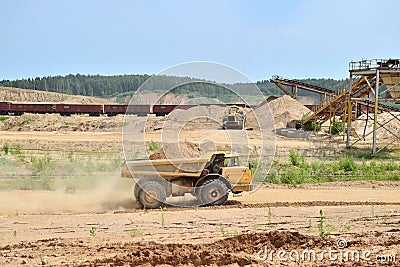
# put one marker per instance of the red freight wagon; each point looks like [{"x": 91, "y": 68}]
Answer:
[
  {"x": 4, "y": 108},
  {"x": 140, "y": 110},
  {"x": 20, "y": 108},
  {"x": 68, "y": 109},
  {"x": 162, "y": 110},
  {"x": 112, "y": 110}
]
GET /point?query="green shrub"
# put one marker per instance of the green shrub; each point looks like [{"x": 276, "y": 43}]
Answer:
[
  {"x": 388, "y": 166},
  {"x": 347, "y": 164},
  {"x": 41, "y": 164},
  {"x": 312, "y": 126},
  {"x": 2, "y": 118},
  {"x": 296, "y": 159},
  {"x": 273, "y": 177},
  {"x": 16, "y": 150},
  {"x": 6, "y": 148},
  {"x": 153, "y": 145},
  {"x": 337, "y": 127}
]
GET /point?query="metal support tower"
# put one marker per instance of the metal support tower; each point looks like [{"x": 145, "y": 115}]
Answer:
[{"x": 375, "y": 73}]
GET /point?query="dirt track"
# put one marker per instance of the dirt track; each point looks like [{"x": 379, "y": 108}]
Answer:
[{"x": 274, "y": 216}]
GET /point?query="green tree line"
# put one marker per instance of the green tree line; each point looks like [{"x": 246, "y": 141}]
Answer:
[{"x": 115, "y": 85}]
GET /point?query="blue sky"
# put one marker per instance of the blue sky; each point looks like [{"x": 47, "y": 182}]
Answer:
[{"x": 294, "y": 39}]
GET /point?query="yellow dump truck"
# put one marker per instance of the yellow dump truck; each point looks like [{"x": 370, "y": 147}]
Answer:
[{"x": 209, "y": 178}]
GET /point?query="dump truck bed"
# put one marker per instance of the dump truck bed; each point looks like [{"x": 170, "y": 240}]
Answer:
[{"x": 164, "y": 167}]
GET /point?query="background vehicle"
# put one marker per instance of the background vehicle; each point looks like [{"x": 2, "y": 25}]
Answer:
[
  {"x": 210, "y": 179},
  {"x": 235, "y": 119}
]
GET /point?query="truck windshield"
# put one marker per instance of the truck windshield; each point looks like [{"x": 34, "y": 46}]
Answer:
[{"x": 230, "y": 162}]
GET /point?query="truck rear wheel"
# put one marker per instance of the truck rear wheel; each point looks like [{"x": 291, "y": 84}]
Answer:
[
  {"x": 151, "y": 195},
  {"x": 213, "y": 193},
  {"x": 136, "y": 190}
]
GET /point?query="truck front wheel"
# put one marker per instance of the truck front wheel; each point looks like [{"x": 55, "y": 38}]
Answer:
[
  {"x": 152, "y": 195},
  {"x": 213, "y": 193}
]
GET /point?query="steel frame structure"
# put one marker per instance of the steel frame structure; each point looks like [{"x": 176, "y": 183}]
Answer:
[
  {"x": 366, "y": 78},
  {"x": 372, "y": 72}
]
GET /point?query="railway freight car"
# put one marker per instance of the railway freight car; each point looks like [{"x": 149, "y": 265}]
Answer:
[
  {"x": 112, "y": 110},
  {"x": 4, "y": 108},
  {"x": 162, "y": 110},
  {"x": 140, "y": 110},
  {"x": 69, "y": 109},
  {"x": 21, "y": 108}
]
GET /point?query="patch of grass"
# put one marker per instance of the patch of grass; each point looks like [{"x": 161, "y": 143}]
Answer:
[
  {"x": 73, "y": 172},
  {"x": 344, "y": 168},
  {"x": 347, "y": 164},
  {"x": 270, "y": 224},
  {"x": 296, "y": 159},
  {"x": 322, "y": 230},
  {"x": 162, "y": 217},
  {"x": 225, "y": 233},
  {"x": 16, "y": 150},
  {"x": 346, "y": 228},
  {"x": 337, "y": 127},
  {"x": 373, "y": 213},
  {"x": 4, "y": 161},
  {"x": 134, "y": 232},
  {"x": 42, "y": 164},
  {"x": 3, "y": 118},
  {"x": 26, "y": 121},
  {"x": 256, "y": 226},
  {"x": 6, "y": 148},
  {"x": 308, "y": 225},
  {"x": 70, "y": 156},
  {"x": 312, "y": 126},
  {"x": 92, "y": 231},
  {"x": 152, "y": 145},
  {"x": 389, "y": 165},
  {"x": 44, "y": 182}
]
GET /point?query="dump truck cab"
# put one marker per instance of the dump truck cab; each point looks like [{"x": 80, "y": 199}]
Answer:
[{"x": 209, "y": 179}]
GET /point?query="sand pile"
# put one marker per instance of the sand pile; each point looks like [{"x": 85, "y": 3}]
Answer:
[
  {"x": 27, "y": 95},
  {"x": 210, "y": 112},
  {"x": 284, "y": 110},
  {"x": 391, "y": 125},
  {"x": 55, "y": 122},
  {"x": 176, "y": 151}
]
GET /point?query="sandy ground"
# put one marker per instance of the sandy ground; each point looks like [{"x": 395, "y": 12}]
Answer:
[
  {"x": 54, "y": 229},
  {"x": 104, "y": 227}
]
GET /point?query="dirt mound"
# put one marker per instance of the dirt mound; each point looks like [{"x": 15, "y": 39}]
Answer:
[
  {"x": 285, "y": 109},
  {"x": 211, "y": 112},
  {"x": 240, "y": 250},
  {"x": 176, "y": 151},
  {"x": 26, "y": 95},
  {"x": 366, "y": 123},
  {"x": 55, "y": 122}
]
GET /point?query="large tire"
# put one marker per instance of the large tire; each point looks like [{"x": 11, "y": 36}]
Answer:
[
  {"x": 151, "y": 195},
  {"x": 136, "y": 190},
  {"x": 213, "y": 193}
]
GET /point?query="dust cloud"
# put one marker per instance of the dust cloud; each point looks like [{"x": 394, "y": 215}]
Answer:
[{"x": 111, "y": 193}]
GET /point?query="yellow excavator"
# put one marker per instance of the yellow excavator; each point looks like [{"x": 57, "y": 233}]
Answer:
[{"x": 235, "y": 119}]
